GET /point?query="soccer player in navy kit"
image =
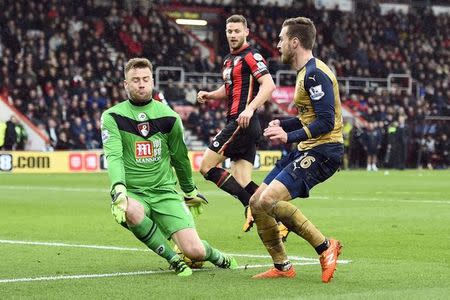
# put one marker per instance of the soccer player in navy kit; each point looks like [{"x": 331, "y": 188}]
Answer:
[
  {"x": 318, "y": 132},
  {"x": 247, "y": 85}
]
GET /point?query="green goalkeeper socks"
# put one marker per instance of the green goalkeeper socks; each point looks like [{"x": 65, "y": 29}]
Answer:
[
  {"x": 148, "y": 233},
  {"x": 212, "y": 254}
]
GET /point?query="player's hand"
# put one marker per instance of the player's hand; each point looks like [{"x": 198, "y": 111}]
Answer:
[
  {"x": 276, "y": 133},
  {"x": 244, "y": 117},
  {"x": 119, "y": 203},
  {"x": 195, "y": 202},
  {"x": 203, "y": 96},
  {"x": 275, "y": 122}
]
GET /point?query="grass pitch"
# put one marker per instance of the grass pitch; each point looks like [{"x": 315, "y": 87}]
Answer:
[{"x": 58, "y": 240}]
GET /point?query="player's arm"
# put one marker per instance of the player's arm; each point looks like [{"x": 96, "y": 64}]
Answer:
[
  {"x": 320, "y": 89},
  {"x": 291, "y": 124},
  {"x": 266, "y": 88},
  {"x": 112, "y": 146},
  {"x": 182, "y": 165},
  {"x": 260, "y": 72},
  {"x": 219, "y": 94}
]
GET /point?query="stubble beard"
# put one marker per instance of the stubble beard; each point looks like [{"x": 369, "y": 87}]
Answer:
[
  {"x": 238, "y": 45},
  {"x": 136, "y": 97}
]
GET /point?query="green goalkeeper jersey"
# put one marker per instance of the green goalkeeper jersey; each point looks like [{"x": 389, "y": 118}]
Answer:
[{"x": 142, "y": 144}]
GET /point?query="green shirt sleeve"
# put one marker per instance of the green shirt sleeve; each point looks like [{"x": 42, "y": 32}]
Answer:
[
  {"x": 179, "y": 157},
  {"x": 112, "y": 146}
]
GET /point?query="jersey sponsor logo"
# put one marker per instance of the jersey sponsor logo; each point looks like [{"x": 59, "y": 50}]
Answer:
[
  {"x": 105, "y": 135},
  {"x": 257, "y": 56},
  {"x": 316, "y": 92},
  {"x": 144, "y": 128},
  {"x": 236, "y": 60},
  {"x": 142, "y": 116},
  {"x": 148, "y": 151}
]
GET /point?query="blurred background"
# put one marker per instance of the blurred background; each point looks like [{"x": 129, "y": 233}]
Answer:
[{"x": 61, "y": 66}]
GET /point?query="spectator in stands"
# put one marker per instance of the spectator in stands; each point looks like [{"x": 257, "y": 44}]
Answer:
[
  {"x": 372, "y": 143},
  {"x": 11, "y": 134},
  {"x": 52, "y": 132},
  {"x": 63, "y": 142},
  {"x": 190, "y": 94},
  {"x": 22, "y": 136}
]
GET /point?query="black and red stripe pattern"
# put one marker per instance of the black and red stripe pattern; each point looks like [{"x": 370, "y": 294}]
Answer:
[{"x": 241, "y": 71}]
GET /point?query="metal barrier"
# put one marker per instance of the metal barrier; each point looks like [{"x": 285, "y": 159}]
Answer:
[{"x": 403, "y": 82}]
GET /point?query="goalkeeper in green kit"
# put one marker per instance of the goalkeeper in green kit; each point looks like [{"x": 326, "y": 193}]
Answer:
[{"x": 143, "y": 144}]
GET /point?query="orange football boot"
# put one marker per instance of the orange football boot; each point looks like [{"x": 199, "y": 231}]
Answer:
[
  {"x": 328, "y": 260},
  {"x": 275, "y": 273}
]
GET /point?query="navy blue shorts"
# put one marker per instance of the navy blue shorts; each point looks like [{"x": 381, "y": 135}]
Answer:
[{"x": 300, "y": 171}]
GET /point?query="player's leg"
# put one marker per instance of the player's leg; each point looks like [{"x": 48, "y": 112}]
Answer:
[
  {"x": 148, "y": 233},
  {"x": 190, "y": 244},
  {"x": 296, "y": 179},
  {"x": 175, "y": 220},
  {"x": 374, "y": 161},
  {"x": 221, "y": 147},
  {"x": 242, "y": 171},
  {"x": 268, "y": 232},
  {"x": 221, "y": 177}
]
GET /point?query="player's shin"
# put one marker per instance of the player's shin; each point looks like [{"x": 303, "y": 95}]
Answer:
[
  {"x": 218, "y": 258},
  {"x": 228, "y": 183},
  {"x": 296, "y": 222},
  {"x": 268, "y": 232},
  {"x": 148, "y": 233}
]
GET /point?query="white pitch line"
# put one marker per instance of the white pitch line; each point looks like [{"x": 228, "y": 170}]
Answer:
[
  {"x": 425, "y": 201},
  {"x": 84, "y": 276},
  {"x": 101, "y": 247}
]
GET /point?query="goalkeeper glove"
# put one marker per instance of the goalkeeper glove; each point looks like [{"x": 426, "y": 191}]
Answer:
[
  {"x": 119, "y": 203},
  {"x": 195, "y": 202}
]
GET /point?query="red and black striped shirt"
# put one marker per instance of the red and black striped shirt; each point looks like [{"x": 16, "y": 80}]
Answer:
[{"x": 241, "y": 71}]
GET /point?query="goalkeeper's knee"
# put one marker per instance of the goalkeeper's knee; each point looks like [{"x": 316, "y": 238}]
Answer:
[{"x": 194, "y": 251}]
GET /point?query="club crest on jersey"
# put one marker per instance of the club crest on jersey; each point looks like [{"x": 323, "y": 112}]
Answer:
[
  {"x": 227, "y": 75},
  {"x": 144, "y": 128},
  {"x": 316, "y": 92},
  {"x": 257, "y": 56}
]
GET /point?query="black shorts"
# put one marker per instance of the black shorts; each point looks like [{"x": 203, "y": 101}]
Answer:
[{"x": 236, "y": 142}]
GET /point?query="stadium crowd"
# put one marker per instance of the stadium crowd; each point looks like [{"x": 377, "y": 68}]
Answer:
[{"x": 62, "y": 62}]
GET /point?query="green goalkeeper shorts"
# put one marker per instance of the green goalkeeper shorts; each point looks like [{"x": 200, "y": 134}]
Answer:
[{"x": 166, "y": 209}]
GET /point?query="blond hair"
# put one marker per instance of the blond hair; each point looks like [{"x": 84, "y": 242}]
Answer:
[{"x": 138, "y": 63}]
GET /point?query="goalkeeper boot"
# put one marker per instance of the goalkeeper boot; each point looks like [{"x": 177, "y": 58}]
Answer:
[
  {"x": 180, "y": 267},
  {"x": 284, "y": 231},
  {"x": 228, "y": 262},
  {"x": 248, "y": 219},
  {"x": 275, "y": 273},
  {"x": 328, "y": 260}
]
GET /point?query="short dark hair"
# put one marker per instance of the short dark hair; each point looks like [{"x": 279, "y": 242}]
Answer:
[
  {"x": 303, "y": 29},
  {"x": 138, "y": 63},
  {"x": 237, "y": 19}
]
